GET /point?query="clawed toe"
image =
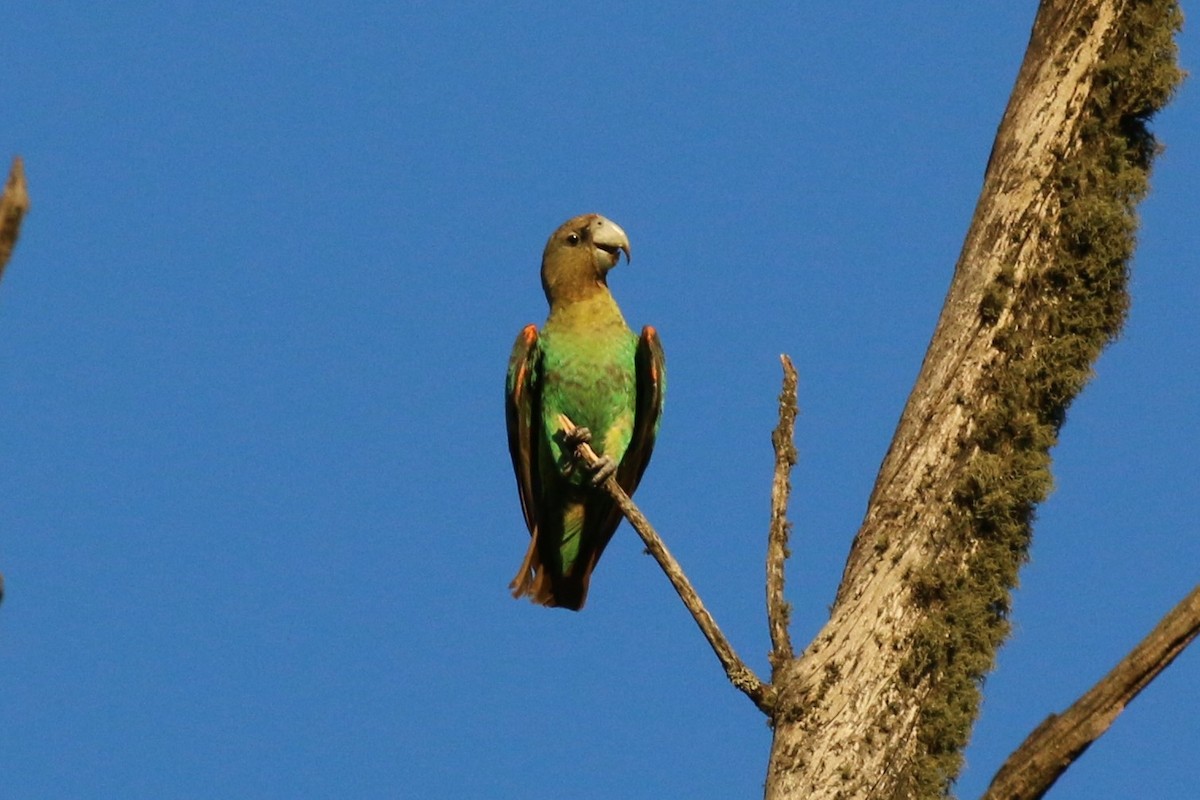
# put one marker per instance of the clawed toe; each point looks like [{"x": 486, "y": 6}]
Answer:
[
  {"x": 605, "y": 469},
  {"x": 573, "y": 441},
  {"x": 577, "y": 437}
]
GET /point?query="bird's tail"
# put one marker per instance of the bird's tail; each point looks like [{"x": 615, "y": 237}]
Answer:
[
  {"x": 535, "y": 581},
  {"x": 530, "y": 580}
]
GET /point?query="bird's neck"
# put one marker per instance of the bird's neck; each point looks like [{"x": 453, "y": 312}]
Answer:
[
  {"x": 565, "y": 285},
  {"x": 595, "y": 309}
]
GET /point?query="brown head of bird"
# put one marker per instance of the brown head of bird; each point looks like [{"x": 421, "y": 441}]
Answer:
[{"x": 579, "y": 255}]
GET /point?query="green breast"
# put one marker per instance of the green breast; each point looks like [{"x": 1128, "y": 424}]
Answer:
[{"x": 588, "y": 374}]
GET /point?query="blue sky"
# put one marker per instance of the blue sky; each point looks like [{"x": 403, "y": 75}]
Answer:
[{"x": 256, "y": 510}]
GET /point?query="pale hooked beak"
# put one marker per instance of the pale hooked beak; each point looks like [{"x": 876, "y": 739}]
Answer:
[{"x": 610, "y": 238}]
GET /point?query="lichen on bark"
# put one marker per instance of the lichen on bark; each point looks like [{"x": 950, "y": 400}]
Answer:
[{"x": 1049, "y": 324}]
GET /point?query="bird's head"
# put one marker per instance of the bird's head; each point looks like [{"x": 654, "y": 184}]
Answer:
[{"x": 579, "y": 255}]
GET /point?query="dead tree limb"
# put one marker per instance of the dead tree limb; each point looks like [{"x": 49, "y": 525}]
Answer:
[
  {"x": 740, "y": 675},
  {"x": 13, "y": 205},
  {"x": 14, "y": 202},
  {"x": 882, "y": 701},
  {"x": 783, "y": 440},
  {"x": 1061, "y": 738}
]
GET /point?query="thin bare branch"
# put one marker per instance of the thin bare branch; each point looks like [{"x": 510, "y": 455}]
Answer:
[
  {"x": 740, "y": 675},
  {"x": 783, "y": 439},
  {"x": 14, "y": 202},
  {"x": 13, "y": 205},
  {"x": 1061, "y": 738}
]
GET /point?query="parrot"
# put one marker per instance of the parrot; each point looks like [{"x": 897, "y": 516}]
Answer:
[{"x": 588, "y": 365}]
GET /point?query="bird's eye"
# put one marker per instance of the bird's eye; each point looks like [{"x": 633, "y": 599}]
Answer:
[{"x": 573, "y": 239}]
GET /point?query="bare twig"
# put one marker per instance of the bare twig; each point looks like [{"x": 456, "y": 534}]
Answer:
[
  {"x": 783, "y": 438},
  {"x": 14, "y": 202},
  {"x": 13, "y": 205},
  {"x": 1061, "y": 738},
  {"x": 740, "y": 675}
]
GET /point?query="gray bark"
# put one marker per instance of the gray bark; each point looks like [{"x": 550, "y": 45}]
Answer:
[{"x": 882, "y": 702}]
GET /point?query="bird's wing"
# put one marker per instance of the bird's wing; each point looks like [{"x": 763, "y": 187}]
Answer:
[
  {"x": 520, "y": 403},
  {"x": 650, "y": 366}
]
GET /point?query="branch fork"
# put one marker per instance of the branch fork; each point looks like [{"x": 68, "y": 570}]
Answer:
[{"x": 740, "y": 675}]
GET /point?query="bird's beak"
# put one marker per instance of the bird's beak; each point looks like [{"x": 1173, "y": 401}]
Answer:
[{"x": 608, "y": 237}]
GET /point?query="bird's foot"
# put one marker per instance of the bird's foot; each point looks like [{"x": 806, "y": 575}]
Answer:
[
  {"x": 574, "y": 443},
  {"x": 577, "y": 437},
  {"x": 605, "y": 468}
]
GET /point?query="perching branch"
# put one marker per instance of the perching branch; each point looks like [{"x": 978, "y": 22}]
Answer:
[
  {"x": 13, "y": 205},
  {"x": 1061, "y": 738},
  {"x": 740, "y": 675},
  {"x": 783, "y": 438}
]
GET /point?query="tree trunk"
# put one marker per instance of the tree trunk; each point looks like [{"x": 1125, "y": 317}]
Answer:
[{"x": 882, "y": 702}]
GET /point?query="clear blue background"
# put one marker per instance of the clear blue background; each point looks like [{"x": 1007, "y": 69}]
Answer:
[{"x": 256, "y": 510}]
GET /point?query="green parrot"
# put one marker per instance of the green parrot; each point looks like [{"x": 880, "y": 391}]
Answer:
[{"x": 588, "y": 365}]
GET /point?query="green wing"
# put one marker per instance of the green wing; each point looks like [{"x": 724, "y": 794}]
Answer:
[
  {"x": 540, "y": 576},
  {"x": 651, "y": 367},
  {"x": 521, "y": 409}
]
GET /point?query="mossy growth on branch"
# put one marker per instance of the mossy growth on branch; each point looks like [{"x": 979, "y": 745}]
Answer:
[{"x": 1060, "y": 315}]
